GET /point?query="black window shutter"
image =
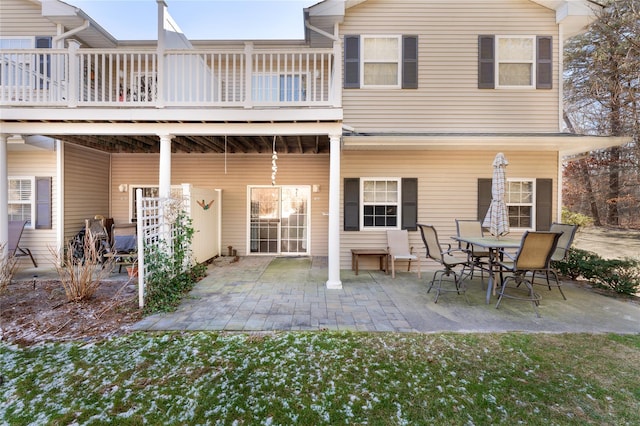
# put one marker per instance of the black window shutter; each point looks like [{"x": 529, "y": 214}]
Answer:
[
  {"x": 410, "y": 204},
  {"x": 351, "y": 62},
  {"x": 484, "y": 197},
  {"x": 486, "y": 59},
  {"x": 409, "y": 62},
  {"x": 544, "y": 202},
  {"x": 43, "y": 203},
  {"x": 351, "y": 204},
  {"x": 544, "y": 66}
]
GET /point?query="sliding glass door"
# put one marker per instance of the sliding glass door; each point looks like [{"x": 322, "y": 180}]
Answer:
[{"x": 279, "y": 220}]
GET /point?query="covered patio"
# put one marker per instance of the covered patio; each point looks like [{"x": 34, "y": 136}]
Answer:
[{"x": 278, "y": 294}]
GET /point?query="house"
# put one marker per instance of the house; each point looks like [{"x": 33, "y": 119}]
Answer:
[{"x": 388, "y": 112}]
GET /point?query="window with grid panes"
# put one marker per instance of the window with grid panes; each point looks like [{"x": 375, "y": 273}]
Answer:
[
  {"x": 21, "y": 199},
  {"x": 380, "y": 203},
  {"x": 520, "y": 199}
]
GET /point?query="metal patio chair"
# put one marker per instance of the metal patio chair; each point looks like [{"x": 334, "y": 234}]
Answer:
[
  {"x": 477, "y": 258},
  {"x": 449, "y": 259},
  {"x": 533, "y": 256},
  {"x": 16, "y": 227}
]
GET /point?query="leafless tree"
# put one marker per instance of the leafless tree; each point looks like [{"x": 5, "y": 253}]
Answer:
[{"x": 602, "y": 84}]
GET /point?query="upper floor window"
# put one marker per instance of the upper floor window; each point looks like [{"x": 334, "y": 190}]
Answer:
[
  {"x": 380, "y": 61},
  {"x": 25, "y": 69},
  {"x": 16, "y": 43},
  {"x": 389, "y": 61},
  {"x": 515, "y": 57},
  {"x": 515, "y": 62},
  {"x": 279, "y": 87}
]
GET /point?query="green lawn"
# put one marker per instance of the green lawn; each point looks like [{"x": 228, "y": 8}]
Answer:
[{"x": 325, "y": 378}]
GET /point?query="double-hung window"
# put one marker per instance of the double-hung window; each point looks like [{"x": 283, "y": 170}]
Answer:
[
  {"x": 380, "y": 203},
  {"x": 529, "y": 202},
  {"x": 520, "y": 198},
  {"x": 381, "y": 61},
  {"x": 515, "y": 62},
  {"x": 21, "y": 199},
  {"x": 515, "y": 58}
]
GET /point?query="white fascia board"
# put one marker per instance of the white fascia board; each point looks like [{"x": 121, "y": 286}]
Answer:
[
  {"x": 327, "y": 8},
  {"x": 58, "y": 8},
  {"x": 203, "y": 129},
  {"x": 168, "y": 114},
  {"x": 574, "y": 15},
  {"x": 565, "y": 145}
]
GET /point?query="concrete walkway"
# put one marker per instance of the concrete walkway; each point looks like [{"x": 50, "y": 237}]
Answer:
[{"x": 269, "y": 294}]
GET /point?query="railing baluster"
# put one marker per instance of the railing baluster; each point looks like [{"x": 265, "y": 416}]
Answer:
[{"x": 229, "y": 78}]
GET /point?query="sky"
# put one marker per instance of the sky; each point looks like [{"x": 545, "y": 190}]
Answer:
[{"x": 201, "y": 19}]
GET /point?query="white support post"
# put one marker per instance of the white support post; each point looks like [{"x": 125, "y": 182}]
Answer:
[
  {"x": 248, "y": 58},
  {"x": 4, "y": 194},
  {"x": 164, "y": 190},
  {"x": 164, "y": 179},
  {"x": 336, "y": 79},
  {"x": 160, "y": 51},
  {"x": 74, "y": 74},
  {"x": 333, "y": 281},
  {"x": 140, "y": 243}
]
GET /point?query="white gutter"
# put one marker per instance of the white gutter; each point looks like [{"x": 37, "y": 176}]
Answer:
[{"x": 59, "y": 37}]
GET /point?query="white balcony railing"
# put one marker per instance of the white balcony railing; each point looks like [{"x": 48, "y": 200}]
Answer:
[{"x": 244, "y": 78}]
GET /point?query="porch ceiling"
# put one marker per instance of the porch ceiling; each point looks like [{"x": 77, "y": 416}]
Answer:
[{"x": 285, "y": 144}]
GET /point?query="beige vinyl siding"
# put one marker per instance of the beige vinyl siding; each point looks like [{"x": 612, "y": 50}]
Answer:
[
  {"x": 208, "y": 171},
  {"x": 447, "y": 99},
  {"x": 447, "y": 188},
  {"x": 86, "y": 185},
  {"x": 23, "y": 18},
  {"x": 37, "y": 163}
]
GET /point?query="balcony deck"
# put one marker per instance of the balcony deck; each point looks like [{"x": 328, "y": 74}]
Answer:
[{"x": 242, "y": 78}]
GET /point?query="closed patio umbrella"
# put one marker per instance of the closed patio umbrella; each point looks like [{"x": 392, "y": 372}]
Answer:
[{"x": 497, "y": 218}]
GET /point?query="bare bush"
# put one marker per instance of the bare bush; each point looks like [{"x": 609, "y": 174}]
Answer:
[
  {"x": 8, "y": 264},
  {"x": 82, "y": 275}
]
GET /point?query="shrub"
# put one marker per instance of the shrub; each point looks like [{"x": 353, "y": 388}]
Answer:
[
  {"x": 572, "y": 218},
  {"x": 171, "y": 275},
  {"x": 579, "y": 263},
  {"x": 8, "y": 264},
  {"x": 619, "y": 275},
  {"x": 81, "y": 276}
]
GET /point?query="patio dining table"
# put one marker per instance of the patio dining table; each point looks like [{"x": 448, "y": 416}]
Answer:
[{"x": 493, "y": 246}]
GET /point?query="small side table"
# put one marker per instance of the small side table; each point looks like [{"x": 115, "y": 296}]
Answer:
[{"x": 383, "y": 254}]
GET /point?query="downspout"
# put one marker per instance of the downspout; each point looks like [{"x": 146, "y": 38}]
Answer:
[
  {"x": 60, "y": 189},
  {"x": 560, "y": 116},
  {"x": 59, "y": 37}
]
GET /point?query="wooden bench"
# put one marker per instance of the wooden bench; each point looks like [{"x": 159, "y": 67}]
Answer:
[{"x": 383, "y": 254}]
